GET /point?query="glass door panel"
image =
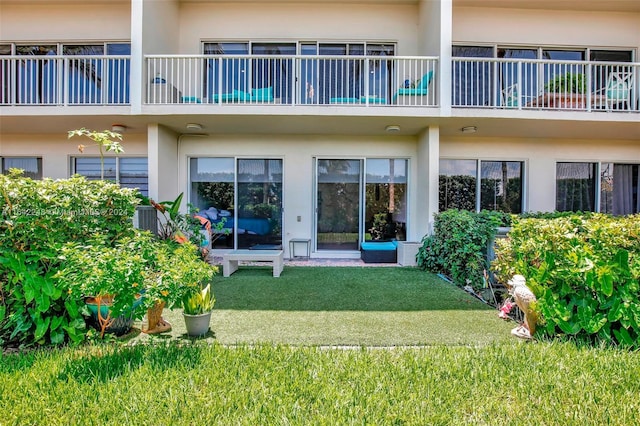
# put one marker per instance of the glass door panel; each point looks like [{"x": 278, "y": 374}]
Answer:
[
  {"x": 259, "y": 203},
  {"x": 386, "y": 199},
  {"x": 338, "y": 204},
  {"x": 212, "y": 193}
]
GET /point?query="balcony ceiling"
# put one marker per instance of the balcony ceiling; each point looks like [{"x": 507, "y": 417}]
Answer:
[
  {"x": 557, "y": 125},
  {"x": 586, "y": 5}
]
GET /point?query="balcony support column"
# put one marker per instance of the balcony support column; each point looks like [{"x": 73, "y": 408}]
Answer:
[
  {"x": 426, "y": 183},
  {"x": 162, "y": 153}
]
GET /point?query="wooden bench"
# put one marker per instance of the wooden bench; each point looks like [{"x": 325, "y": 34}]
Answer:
[{"x": 230, "y": 260}]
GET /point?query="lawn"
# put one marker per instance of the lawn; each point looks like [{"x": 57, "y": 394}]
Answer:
[
  {"x": 346, "y": 306},
  {"x": 515, "y": 383},
  {"x": 453, "y": 362}
]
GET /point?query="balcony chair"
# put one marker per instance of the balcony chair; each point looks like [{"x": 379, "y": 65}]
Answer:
[
  {"x": 257, "y": 95},
  {"x": 422, "y": 89},
  {"x": 511, "y": 97},
  {"x": 617, "y": 91}
]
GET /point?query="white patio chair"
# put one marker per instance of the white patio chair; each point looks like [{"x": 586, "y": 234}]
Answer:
[
  {"x": 617, "y": 91},
  {"x": 511, "y": 96}
]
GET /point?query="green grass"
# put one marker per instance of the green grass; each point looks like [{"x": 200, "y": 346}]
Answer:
[
  {"x": 510, "y": 383},
  {"x": 276, "y": 373},
  {"x": 345, "y": 306}
]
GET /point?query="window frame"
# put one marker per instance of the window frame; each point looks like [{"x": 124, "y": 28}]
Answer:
[
  {"x": 39, "y": 162},
  {"x": 118, "y": 159},
  {"x": 477, "y": 202}
]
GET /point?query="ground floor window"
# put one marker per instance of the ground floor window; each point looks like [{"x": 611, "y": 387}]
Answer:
[
  {"x": 619, "y": 188},
  {"x": 32, "y": 166},
  {"x": 129, "y": 172},
  {"x": 575, "y": 187},
  {"x": 480, "y": 185},
  {"x": 244, "y": 195}
]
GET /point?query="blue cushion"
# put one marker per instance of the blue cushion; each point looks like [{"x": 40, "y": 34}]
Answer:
[
  {"x": 191, "y": 100},
  {"x": 424, "y": 82},
  {"x": 344, "y": 100},
  {"x": 412, "y": 92},
  {"x": 264, "y": 94},
  {"x": 617, "y": 90},
  {"x": 372, "y": 100},
  {"x": 379, "y": 245},
  {"x": 258, "y": 226},
  {"x": 235, "y": 96}
]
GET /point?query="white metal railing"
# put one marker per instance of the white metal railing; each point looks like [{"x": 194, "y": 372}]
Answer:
[
  {"x": 64, "y": 80},
  {"x": 545, "y": 84},
  {"x": 291, "y": 80}
]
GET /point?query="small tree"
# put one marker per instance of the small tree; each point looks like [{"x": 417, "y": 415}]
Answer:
[{"x": 106, "y": 140}]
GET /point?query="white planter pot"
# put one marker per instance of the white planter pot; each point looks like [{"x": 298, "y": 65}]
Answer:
[{"x": 197, "y": 325}]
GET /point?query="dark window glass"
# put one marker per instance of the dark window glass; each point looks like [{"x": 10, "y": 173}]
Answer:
[
  {"x": 575, "y": 186},
  {"x": 457, "y": 184}
]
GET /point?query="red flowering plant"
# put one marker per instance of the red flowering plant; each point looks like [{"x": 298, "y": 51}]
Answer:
[{"x": 175, "y": 225}]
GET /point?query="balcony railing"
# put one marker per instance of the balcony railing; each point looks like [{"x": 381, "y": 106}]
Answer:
[
  {"x": 362, "y": 81},
  {"x": 292, "y": 80},
  {"x": 545, "y": 84},
  {"x": 64, "y": 80}
]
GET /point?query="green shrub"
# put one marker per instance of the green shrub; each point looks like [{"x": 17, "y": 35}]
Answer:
[
  {"x": 458, "y": 246},
  {"x": 584, "y": 270},
  {"x": 38, "y": 218}
]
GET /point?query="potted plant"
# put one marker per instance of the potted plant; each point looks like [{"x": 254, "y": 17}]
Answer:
[
  {"x": 110, "y": 277},
  {"x": 570, "y": 88},
  {"x": 179, "y": 271},
  {"x": 197, "y": 307}
]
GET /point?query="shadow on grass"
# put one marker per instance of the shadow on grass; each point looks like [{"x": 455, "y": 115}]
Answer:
[
  {"x": 105, "y": 362},
  {"x": 340, "y": 289}
]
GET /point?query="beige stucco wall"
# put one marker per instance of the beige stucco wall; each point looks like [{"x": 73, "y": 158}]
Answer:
[
  {"x": 546, "y": 28},
  {"x": 57, "y": 150},
  {"x": 65, "y": 22},
  {"x": 298, "y": 21},
  {"x": 540, "y": 157},
  {"x": 297, "y": 153}
]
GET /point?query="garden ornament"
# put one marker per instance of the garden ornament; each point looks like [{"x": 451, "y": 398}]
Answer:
[{"x": 523, "y": 298}]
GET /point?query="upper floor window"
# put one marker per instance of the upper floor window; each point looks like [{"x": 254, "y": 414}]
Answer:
[
  {"x": 269, "y": 75},
  {"x": 35, "y": 74},
  {"x": 129, "y": 172},
  {"x": 32, "y": 166},
  {"x": 507, "y": 70}
]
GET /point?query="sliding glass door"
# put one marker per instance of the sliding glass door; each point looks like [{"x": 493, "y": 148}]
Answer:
[
  {"x": 243, "y": 194},
  {"x": 338, "y": 204},
  {"x": 360, "y": 199}
]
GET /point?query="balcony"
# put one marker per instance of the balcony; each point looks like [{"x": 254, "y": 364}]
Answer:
[
  {"x": 64, "y": 80},
  {"x": 356, "y": 81},
  {"x": 545, "y": 85},
  {"x": 319, "y": 81}
]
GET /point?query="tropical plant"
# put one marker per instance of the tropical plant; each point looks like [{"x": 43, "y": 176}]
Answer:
[
  {"x": 458, "y": 246},
  {"x": 199, "y": 302},
  {"x": 179, "y": 272},
  {"x": 114, "y": 274},
  {"x": 38, "y": 218},
  {"x": 584, "y": 271},
  {"x": 567, "y": 83},
  {"x": 106, "y": 141},
  {"x": 176, "y": 225},
  {"x": 379, "y": 227}
]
